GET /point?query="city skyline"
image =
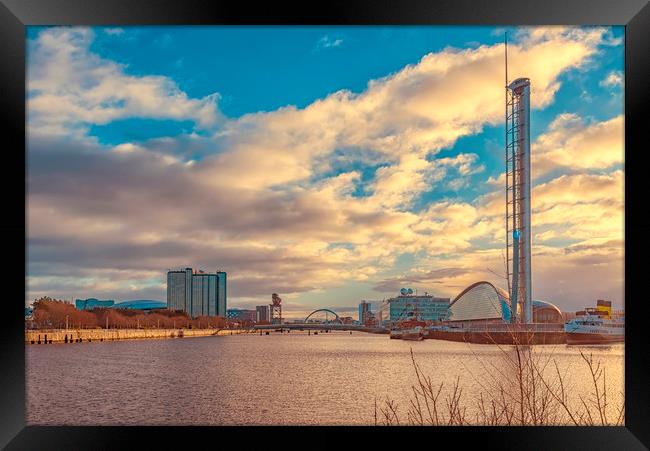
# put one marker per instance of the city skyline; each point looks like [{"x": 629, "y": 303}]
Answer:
[{"x": 326, "y": 164}]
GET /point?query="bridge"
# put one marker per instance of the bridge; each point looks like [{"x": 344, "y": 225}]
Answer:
[{"x": 310, "y": 324}]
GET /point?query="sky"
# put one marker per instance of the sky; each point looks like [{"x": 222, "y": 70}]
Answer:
[{"x": 329, "y": 165}]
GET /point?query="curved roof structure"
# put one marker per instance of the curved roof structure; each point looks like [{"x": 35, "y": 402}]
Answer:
[
  {"x": 140, "y": 304},
  {"x": 481, "y": 301},
  {"x": 544, "y": 304},
  {"x": 545, "y": 312}
]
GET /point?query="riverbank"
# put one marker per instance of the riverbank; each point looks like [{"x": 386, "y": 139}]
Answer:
[{"x": 93, "y": 335}]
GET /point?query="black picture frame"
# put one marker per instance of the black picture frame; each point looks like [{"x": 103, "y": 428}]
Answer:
[{"x": 15, "y": 15}]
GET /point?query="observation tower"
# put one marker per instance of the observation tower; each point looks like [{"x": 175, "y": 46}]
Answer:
[{"x": 518, "y": 223}]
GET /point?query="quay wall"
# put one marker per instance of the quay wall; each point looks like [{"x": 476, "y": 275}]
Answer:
[
  {"x": 91, "y": 335},
  {"x": 500, "y": 337}
]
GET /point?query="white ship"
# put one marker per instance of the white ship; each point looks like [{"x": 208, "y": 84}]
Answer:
[{"x": 596, "y": 326}]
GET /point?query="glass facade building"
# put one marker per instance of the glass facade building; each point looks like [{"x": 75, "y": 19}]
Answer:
[
  {"x": 196, "y": 292},
  {"x": 364, "y": 310},
  {"x": 222, "y": 295},
  {"x": 242, "y": 315},
  {"x": 426, "y": 307},
  {"x": 481, "y": 301},
  {"x": 176, "y": 290}
]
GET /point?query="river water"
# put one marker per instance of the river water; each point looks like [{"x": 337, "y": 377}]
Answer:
[{"x": 269, "y": 379}]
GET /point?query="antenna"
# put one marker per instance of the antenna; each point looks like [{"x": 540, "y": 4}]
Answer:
[{"x": 506, "y": 43}]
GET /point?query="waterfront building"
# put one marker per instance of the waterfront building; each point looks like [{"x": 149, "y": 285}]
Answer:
[
  {"x": 407, "y": 304},
  {"x": 197, "y": 293},
  {"x": 222, "y": 294},
  {"x": 482, "y": 302},
  {"x": 242, "y": 315},
  {"x": 545, "y": 312},
  {"x": 263, "y": 313},
  {"x": 140, "y": 304},
  {"x": 364, "y": 310},
  {"x": 91, "y": 303}
]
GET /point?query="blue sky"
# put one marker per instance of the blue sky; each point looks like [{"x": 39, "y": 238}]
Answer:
[{"x": 208, "y": 99}]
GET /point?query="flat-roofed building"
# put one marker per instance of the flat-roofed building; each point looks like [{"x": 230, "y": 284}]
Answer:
[
  {"x": 197, "y": 293},
  {"x": 238, "y": 314},
  {"x": 263, "y": 313},
  {"x": 427, "y": 307}
]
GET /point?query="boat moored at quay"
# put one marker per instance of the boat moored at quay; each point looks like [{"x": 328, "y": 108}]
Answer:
[{"x": 592, "y": 329}]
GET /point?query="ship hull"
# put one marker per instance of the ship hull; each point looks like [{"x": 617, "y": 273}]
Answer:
[{"x": 577, "y": 338}]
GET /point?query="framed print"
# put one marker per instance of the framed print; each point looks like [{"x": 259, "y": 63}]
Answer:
[{"x": 369, "y": 214}]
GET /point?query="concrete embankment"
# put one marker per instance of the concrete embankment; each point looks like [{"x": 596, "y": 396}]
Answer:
[{"x": 93, "y": 335}]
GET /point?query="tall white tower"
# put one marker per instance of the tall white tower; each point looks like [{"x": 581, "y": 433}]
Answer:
[{"x": 518, "y": 225}]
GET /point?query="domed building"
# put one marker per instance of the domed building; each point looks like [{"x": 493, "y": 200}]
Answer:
[
  {"x": 140, "y": 304},
  {"x": 545, "y": 312},
  {"x": 481, "y": 302}
]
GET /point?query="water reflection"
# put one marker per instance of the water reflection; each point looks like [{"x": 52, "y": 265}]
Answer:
[{"x": 252, "y": 379}]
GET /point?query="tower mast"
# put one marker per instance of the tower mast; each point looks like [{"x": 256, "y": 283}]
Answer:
[{"x": 518, "y": 207}]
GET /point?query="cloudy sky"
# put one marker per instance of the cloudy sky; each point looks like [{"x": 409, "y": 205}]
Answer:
[{"x": 327, "y": 164}]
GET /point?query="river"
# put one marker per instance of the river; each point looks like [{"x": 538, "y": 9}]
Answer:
[{"x": 291, "y": 378}]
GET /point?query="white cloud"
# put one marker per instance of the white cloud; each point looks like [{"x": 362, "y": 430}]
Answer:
[
  {"x": 572, "y": 144},
  {"x": 613, "y": 79},
  {"x": 326, "y": 42},
  {"x": 113, "y": 31},
  {"x": 262, "y": 201},
  {"x": 69, "y": 87}
]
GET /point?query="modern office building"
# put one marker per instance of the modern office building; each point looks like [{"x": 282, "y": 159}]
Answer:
[
  {"x": 263, "y": 313},
  {"x": 364, "y": 310},
  {"x": 197, "y": 293},
  {"x": 238, "y": 314},
  {"x": 427, "y": 307}
]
